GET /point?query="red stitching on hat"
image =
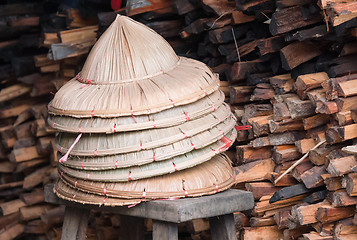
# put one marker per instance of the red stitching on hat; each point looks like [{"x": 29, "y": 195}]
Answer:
[
  {"x": 214, "y": 108},
  {"x": 104, "y": 191},
  {"x": 184, "y": 134},
  {"x": 80, "y": 129},
  {"x": 88, "y": 176},
  {"x": 153, "y": 121},
  {"x": 82, "y": 165},
  {"x": 187, "y": 117},
  {"x": 132, "y": 114},
  {"x": 153, "y": 157},
  {"x": 115, "y": 125},
  {"x": 74, "y": 196},
  {"x": 173, "y": 104},
  {"x": 95, "y": 152},
  {"x": 216, "y": 188},
  {"x": 116, "y": 164},
  {"x": 193, "y": 146},
  {"x": 129, "y": 176},
  {"x": 92, "y": 113},
  {"x": 53, "y": 124},
  {"x": 75, "y": 184},
  {"x": 141, "y": 146},
  {"x": 186, "y": 193},
  {"x": 61, "y": 149},
  {"x": 62, "y": 111},
  {"x": 144, "y": 194},
  {"x": 174, "y": 166}
]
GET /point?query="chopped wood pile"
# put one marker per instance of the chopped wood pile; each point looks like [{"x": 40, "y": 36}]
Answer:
[
  {"x": 288, "y": 69},
  {"x": 40, "y": 50}
]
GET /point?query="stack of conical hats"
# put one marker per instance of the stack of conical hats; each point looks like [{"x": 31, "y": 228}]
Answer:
[{"x": 139, "y": 123}]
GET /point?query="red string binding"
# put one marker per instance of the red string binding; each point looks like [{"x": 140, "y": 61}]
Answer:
[
  {"x": 65, "y": 157},
  {"x": 174, "y": 166},
  {"x": 217, "y": 190},
  {"x": 244, "y": 127},
  {"x": 227, "y": 142},
  {"x": 132, "y": 114},
  {"x": 187, "y": 117},
  {"x": 173, "y": 104}
]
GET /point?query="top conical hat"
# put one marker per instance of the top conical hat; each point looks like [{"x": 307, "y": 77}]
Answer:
[{"x": 132, "y": 70}]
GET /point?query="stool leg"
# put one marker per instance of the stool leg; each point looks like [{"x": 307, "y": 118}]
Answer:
[
  {"x": 223, "y": 228},
  {"x": 131, "y": 228},
  {"x": 75, "y": 223},
  {"x": 164, "y": 230}
]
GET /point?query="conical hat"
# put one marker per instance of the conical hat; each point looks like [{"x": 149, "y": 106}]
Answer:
[
  {"x": 210, "y": 177},
  {"x": 132, "y": 70},
  {"x": 167, "y": 118},
  {"x": 97, "y": 171},
  {"x": 199, "y": 133},
  {"x": 132, "y": 159}
]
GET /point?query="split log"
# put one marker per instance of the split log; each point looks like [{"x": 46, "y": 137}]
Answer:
[
  {"x": 307, "y": 214},
  {"x": 261, "y": 222},
  {"x": 285, "y": 125},
  {"x": 310, "y": 81},
  {"x": 267, "y": 232},
  {"x": 326, "y": 214},
  {"x": 341, "y": 198},
  {"x": 332, "y": 183},
  {"x": 351, "y": 184},
  {"x": 277, "y": 139},
  {"x": 247, "y": 154},
  {"x": 312, "y": 177},
  {"x": 240, "y": 94},
  {"x": 339, "y": 134},
  {"x": 305, "y": 145},
  {"x": 281, "y": 111},
  {"x": 289, "y": 192},
  {"x": 260, "y": 189},
  {"x": 284, "y": 153},
  {"x": 289, "y": 19},
  {"x": 253, "y": 171},
  {"x": 300, "y": 108},
  {"x": 297, "y": 53},
  {"x": 341, "y": 166}
]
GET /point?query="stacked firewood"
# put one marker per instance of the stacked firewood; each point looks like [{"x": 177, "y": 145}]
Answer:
[
  {"x": 41, "y": 48},
  {"x": 288, "y": 70},
  {"x": 287, "y": 67}
]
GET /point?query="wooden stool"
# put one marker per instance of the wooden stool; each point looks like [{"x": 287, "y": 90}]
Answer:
[{"x": 165, "y": 215}]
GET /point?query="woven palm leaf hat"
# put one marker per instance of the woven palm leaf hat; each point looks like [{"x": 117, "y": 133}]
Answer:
[{"x": 151, "y": 124}]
